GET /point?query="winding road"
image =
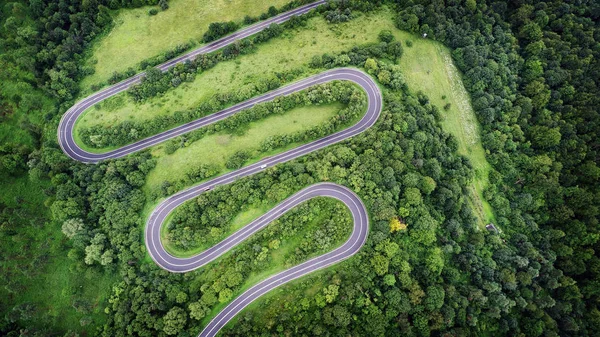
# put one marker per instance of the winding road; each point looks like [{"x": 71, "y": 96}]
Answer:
[{"x": 162, "y": 211}]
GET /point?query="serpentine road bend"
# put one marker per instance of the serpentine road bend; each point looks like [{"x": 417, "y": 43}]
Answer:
[{"x": 162, "y": 211}]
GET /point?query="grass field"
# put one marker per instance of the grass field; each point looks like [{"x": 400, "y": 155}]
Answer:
[
  {"x": 275, "y": 56},
  {"x": 137, "y": 36},
  {"x": 428, "y": 67},
  {"x": 216, "y": 149},
  {"x": 55, "y": 285}
]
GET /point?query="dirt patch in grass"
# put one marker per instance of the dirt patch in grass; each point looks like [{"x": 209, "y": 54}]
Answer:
[{"x": 223, "y": 139}]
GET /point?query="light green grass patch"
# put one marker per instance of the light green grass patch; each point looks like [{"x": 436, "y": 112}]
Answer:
[
  {"x": 216, "y": 149},
  {"x": 32, "y": 107},
  {"x": 428, "y": 67},
  {"x": 56, "y": 284},
  {"x": 137, "y": 36},
  {"x": 274, "y": 56},
  {"x": 56, "y": 288}
]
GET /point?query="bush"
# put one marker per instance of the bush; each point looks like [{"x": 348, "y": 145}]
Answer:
[
  {"x": 248, "y": 20},
  {"x": 118, "y": 77},
  {"x": 386, "y": 36},
  {"x": 337, "y": 15},
  {"x": 316, "y": 62},
  {"x": 237, "y": 160},
  {"x": 219, "y": 29},
  {"x": 153, "y": 11},
  {"x": 273, "y": 11},
  {"x": 268, "y": 33},
  {"x": 395, "y": 49},
  {"x": 163, "y": 4}
]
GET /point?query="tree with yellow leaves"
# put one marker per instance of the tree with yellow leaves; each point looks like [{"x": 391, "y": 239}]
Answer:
[{"x": 396, "y": 225}]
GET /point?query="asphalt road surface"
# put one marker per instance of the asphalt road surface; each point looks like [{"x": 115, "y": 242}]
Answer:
[{"x": 160, "y": 213}]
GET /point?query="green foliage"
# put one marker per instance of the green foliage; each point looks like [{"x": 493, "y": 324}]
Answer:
[
  {"x": 386, "y": 36},
  {"x": 225, "y": 295},
  {"x": 428, "y": 185},
  {"x": 530, "y": 69},
  {"x": 331, "y": 292},
  {"x": 219, "y": 29},
  {"x": 380, "y": 264},
  {"x": 389, "y": 280},
  {"x": 123, "y": 133},
  {"x": 174, "y": 321},
  {"x": 237, "y": 160},
  {"x": 197, "y": 310},
  {"x": 163, "y": 4},
  {"x": 337, "y": 11},
  {"x": 395, "y": 49},
  {"x": 371, "y": 65},
  {"x": 413, "y": 196},
  {"x": 526, "y": 118},
  {"x": 544, "y": 137}
]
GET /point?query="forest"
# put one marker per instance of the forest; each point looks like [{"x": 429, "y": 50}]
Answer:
[{"x": 72, "y": 255}]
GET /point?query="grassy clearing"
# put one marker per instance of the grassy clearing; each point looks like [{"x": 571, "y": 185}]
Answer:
[
  {"x": 57, "y": 287},
  {"x": 137, "y": 36},
  {"x": 57, "y": 283},
  {"x": 216, "y": 149},
  {"x": 316, "y": 38},
  {"x": 428, "y": 67}
]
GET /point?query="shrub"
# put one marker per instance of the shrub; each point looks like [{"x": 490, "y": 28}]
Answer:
[
  {"x": 395, "y": 49},
  {"x": 237, "y": 160},
  {"x": 248, "y": 20},
  {"x": 219, "y": 29},
  {"x": 163, "y": 4},
  {"x": 386, "y": 36}
]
